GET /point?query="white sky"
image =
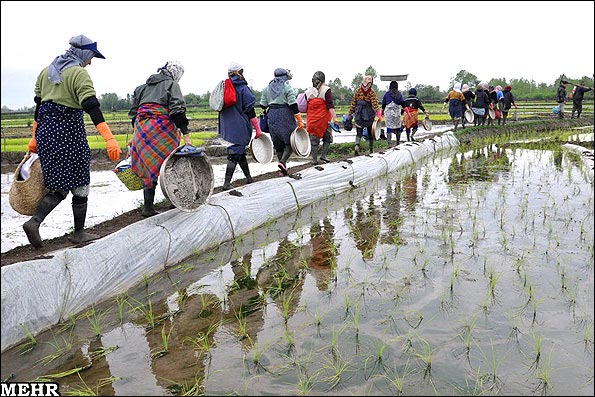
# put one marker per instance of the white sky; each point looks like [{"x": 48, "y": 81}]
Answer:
[{"x": 430, "y": 41}]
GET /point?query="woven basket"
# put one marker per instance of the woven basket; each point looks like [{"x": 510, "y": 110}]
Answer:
[
  {"x": 24, "y": 196},
  {"x": 129, "y": 178}
]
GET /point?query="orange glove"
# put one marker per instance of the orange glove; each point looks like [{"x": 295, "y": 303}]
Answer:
[
  {"x": 33, "y": 141},
  {"x": 113, "y": 148},
  {"x": 298, "y": 118}
]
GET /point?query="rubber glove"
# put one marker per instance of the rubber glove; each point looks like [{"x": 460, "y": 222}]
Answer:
[
  {"x": 33, "y": 141},
  {"x": 379, "y": 114},
  {"x": 113, "y": 148},
  {"x": 492, "y": 106},
  {"x": 256, "y": 125},
  {"x": 298, "y": 118},
  {"x": 515, "y": 106}
]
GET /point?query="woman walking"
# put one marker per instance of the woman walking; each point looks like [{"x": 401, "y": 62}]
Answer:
[
  {"x": 158, "y": 110},
  {"x": 363, "y": 106},
  {"x": 63, "y": 92}
]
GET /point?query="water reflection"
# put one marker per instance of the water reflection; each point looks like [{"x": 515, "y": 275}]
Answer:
[
  {"x": 481, "y": 164},
  {"x": 393, "y": 219},
  {"x": 364, "y": 225},
  {"x": 323, "y": 260}
]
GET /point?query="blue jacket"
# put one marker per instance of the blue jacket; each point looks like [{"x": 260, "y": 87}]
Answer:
[{"x": 234, "y": 123}]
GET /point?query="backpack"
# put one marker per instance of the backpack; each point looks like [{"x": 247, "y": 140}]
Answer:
[
  {"x": 216, "y": 100},
  {"x": 302, "y": 102},
  {"x": 229, "y": 94}
]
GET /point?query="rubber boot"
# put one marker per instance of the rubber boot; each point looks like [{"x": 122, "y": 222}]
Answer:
[
  {"x": 149, "y": 198},
  {"x": 325, "y": 146},
  {"x": 408, "y": 132},
  {"x": 79, "y": 211},
  {"x": 389, "y": 137},
  {"x": 371, "y": 146},
  {"x": 286, "y": 154},
  {"x": 244, "y": 165},
  {"x": 231, "y": 167},
  {"x": 31, "y": 227},
  {"x": 314, "y": 152}
]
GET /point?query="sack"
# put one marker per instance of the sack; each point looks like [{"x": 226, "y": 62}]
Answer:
[
  {"x": 497, "y": 113},
  {"x": 26, "y": 194},
  {"x": 348, "y": 123},
  {"x": 263, "y": 121},
  {"x": 216, "y": 100},
  {"x": 124, "y": 173},
  {"x": 410, "y": 117},
  {"x": 229, "y": 94},
  {"x": 302, "y": 102}
]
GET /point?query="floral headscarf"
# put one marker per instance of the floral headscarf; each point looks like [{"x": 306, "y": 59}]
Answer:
[
  {"x": 367, "y": 83},
  {"x": 173, "y": 69}
]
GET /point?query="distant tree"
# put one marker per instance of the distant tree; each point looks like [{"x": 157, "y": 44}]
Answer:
[
  {"x": 192, "y": 99},
  {"x": 429, "y": 93},
  {"x": 357, "y": 81},
  {"x": 463, "y": 77}
]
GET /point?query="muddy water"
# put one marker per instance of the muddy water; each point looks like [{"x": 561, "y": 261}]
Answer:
[{"x": 471, "y": 273}]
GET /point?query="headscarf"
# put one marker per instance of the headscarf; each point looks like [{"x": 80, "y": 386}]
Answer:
[
  {"x": 318, "y": 79},
  {"x": 498, "y": 88},
  {"x": 393, "y": 89},
  {"x": 367, "y": 83},
  {"x": 508, "y": 88},
  {"x": 173, "y": 69},
  {"x": 457, "y": 87},
  {"x": 236, "y": 69},
  {"x": 82, "y": 49},
  {"x": 465, "y": 88},
  {"x": 412, "y": 91},
  {"x": 485, "y": 85},
  {"x": 276, "y": 85}
]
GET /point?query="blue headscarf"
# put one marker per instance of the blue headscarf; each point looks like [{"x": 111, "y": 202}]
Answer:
[
  {"x": 82, "y": 49},
  {"x": 276, "y": 85}
]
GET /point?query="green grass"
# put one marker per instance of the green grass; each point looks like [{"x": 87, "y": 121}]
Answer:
[{"x": 97, "y": 141}]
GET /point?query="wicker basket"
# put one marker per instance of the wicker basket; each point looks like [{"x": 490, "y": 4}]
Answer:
[
  {"x": 128, "y": 178},
  {"x": 25, "y": 195}
]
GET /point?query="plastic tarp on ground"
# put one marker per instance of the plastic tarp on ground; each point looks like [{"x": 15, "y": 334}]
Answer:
[
  {"x": 39, "y": 294},
  {"x": 587, "y": 157}
]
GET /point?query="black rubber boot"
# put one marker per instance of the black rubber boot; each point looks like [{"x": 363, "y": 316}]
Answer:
[
  {"x": 79, "y": 211},
  {"x": 31, "y": 227},
  {"x": 149, "y": 198},
  {"x": 314, "y": 153},
  {"x": 286, "y": 154},
  {"x": 371, "y": 146},
  {"x": 245, "y": 169},
  {"x": 231, "y": 167},
  {"x": 325, "y": 146}
]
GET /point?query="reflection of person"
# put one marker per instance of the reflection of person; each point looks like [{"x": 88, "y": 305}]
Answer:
[
  {"x": 455, "y": 100},
  {"x": 281, "y": 99},
  {"x": 63, "y": 92},
  {"x": 323, "y": 259},
  {"x": 363, "y": 105},
  {"x": 321, "y": 110},
  {"x": 561, "y": 97},
  {"x": 235, "y": 125},
  {"x": 392, "y": 101},
  {"x": 392, "y": 214},
  {"x": 365, "y": 226},
  {"x": 411, "y": 104},
  {"x": 158, "y": 110},
  {"x": 410, "y": 188},
  {"x": 577, "y": 99}
]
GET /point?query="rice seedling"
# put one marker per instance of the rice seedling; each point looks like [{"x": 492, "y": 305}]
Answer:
[
  {"x": 543, "y": 374},
  {"x": 257, "y": 353},
  {"x": 356, "y": 317},
  {"x": 121, "y": 300},
  {"x": 336, "y": 368},
  {"x": 69, "y": 324},
  {"x": 95, "y": 318},
  {"x": 425, "y": 356},
  {"x": 242, "y": 324},
  {"x": 164, "y": 341},
  {"x": 147, "y": 312},
  {"x": 86, "y": 390},
  {"x": 286, "y": 306},
  {"x": 60, "y": 349},
  {"x": 201, "y": 341},
  {"x": 31, "y": 340},
  {"x": 63, "y": 374},
  {"x": 588, "y": 337}
]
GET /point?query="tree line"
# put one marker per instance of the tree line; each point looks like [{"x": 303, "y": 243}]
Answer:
[{"x": 523, "y": 89}]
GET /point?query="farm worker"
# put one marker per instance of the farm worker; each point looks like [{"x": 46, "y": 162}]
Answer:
[
  {"x": 158, "y": 111},
  {"x": 480, "y": 105},
  {"x": 577, "y": 99},
  {"x": 455, "y": 100},
  {"x": 284, "y": 116},
  {"x": 321, "y": 111},
  {"x": 363, "y": 105},
  {"x": 392, "y": 101},
  {"x": 561, "y": 97},
  {"x": 469, "y": 97},
  {"x": 493, "y": 103},
  {"x": 63, "y": 92},
  {"x": 411, "y": 104},
  {"x": 507, "y": 102},
  {"x": 236, "y": 122}
]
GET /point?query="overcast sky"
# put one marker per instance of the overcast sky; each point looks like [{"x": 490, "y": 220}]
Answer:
[{"x": 429, "y": 41}]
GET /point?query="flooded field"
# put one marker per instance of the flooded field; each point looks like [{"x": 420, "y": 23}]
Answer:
[{"x": 469, "y": 273}]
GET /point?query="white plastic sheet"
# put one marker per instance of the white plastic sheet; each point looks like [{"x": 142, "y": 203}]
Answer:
[{"x": 38, "y": 294}]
